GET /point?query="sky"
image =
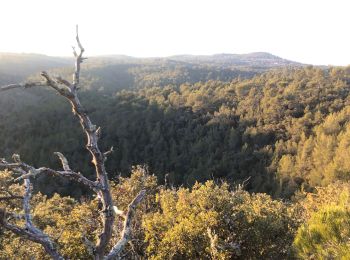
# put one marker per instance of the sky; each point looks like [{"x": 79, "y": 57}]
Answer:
[{"x": 308, "y": 31}]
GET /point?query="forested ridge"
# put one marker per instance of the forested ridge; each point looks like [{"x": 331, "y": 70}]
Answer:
[
  {"x": 258, "y": 128},
  {"x": 240, "y": 162}
]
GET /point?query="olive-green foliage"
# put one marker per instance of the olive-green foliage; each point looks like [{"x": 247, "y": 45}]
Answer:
[
  {"x": 242, "y": 226},
  {"x": 70, "y": 222},
  {"x": 325, "y": 235},
  {"x": 123, "y": 193},
  {"x": 323, "y": 157},
  {"x": 326, "y": 217},
  {"x": 285, "y": 129},
  {"x": 65, "y": 220},
  {"x": 334, "y": 194},
  {"x": 207, "y": 222}
]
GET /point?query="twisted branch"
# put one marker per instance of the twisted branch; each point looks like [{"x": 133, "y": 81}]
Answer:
[
  {"x": 30, "y": 232},
  {"x": 23, "y": 85},
  {"x": 28, "y": 171},
  {"x": 127, "y": 230},
  {"x": 100, "y": 186}
]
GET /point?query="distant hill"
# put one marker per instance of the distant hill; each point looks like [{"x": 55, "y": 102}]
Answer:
[
  {"x": 28, "y": 63},
  {"x": 255, "y": 59},
  {"x": 262, "y": 60},
  {"x": 21, "y": 65},
  {"x": 114, "y": 72}
]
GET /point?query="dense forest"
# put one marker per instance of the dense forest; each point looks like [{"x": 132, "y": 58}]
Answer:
[
  {"x": 170, "y": 115},
  {"x": 242, "y": 158}
]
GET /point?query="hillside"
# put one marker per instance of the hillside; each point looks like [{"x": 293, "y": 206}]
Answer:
[
  {"x": 232, "y": 130},
  {"x": 248, "y": 159},
  {"x": 175, "y": 130},
  {"x": 23, "y": 65}
]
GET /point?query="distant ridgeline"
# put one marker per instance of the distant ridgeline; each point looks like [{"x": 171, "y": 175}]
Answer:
[{"x": 192, "y": 118}]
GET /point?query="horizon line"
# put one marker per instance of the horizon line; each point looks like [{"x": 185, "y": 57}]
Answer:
[{"x": 165, "y": 56}]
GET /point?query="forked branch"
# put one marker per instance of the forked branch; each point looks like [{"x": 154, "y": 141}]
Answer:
[
  {"x": 99, "y": 186},
  {"x": 29, "y": 231},
  {"x": 127, "y": 231},
  {"x": 78, "y": 60}
]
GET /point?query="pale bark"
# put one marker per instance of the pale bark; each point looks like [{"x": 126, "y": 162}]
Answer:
[
  {"x": 99, "y": 186},
  {"x": 127, "y": 231},
  {"x": 29, "y": 231}
]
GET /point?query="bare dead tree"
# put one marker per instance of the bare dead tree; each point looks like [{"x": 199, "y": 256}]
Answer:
[{"x": 100, "y": 186}]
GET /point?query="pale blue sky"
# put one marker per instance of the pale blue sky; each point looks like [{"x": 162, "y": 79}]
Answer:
[{"x": 308, "y": 31}]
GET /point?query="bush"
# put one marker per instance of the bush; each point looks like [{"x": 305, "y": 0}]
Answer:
[
  {"x": 326, "y": 235},
  {"x": 210, "y": 221}
]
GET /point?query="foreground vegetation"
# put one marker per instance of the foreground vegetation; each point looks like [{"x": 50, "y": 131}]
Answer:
[{"x": 208, "y": 221}]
